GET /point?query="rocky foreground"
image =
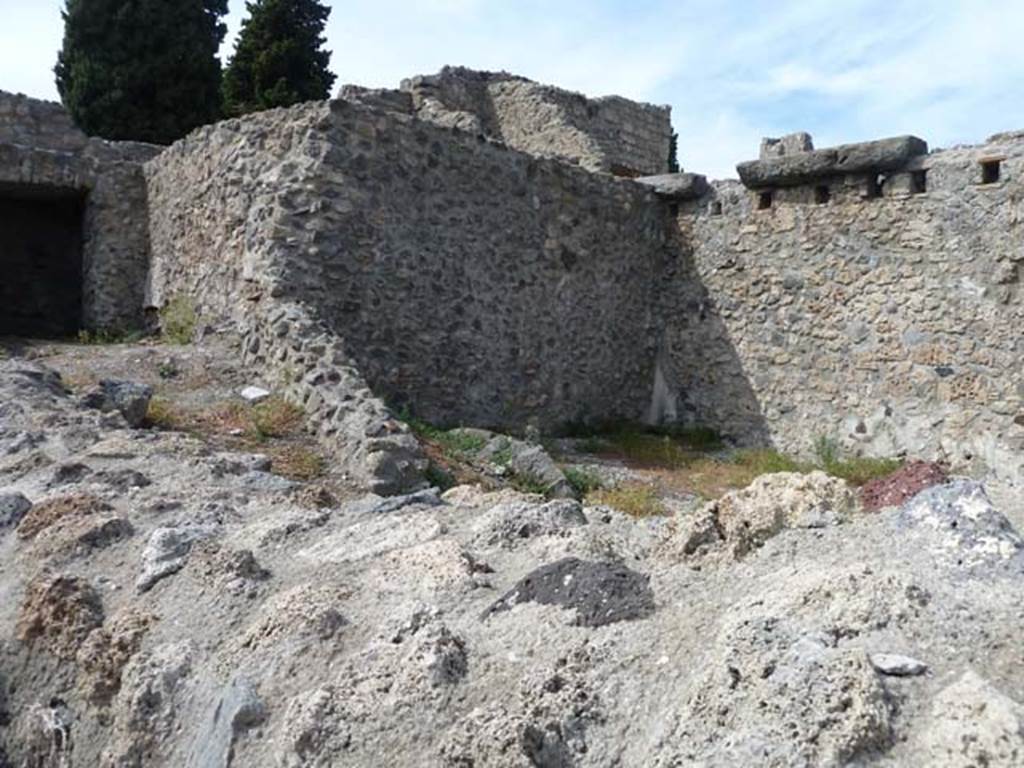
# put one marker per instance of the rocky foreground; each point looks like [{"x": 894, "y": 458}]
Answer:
[{"x": 166, "y": 604}]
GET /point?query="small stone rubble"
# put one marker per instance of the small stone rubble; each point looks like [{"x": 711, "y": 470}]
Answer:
[{"x": 902, "y": 485}]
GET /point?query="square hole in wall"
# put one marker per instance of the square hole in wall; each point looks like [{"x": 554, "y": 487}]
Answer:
[
  {"x": 765, "y": 200},
  {"x": 990, "y": 171},
  {"x": 822, "y": 194},
  {"x": 716, "y": 208},
  {"x": 918, "y": 182}
]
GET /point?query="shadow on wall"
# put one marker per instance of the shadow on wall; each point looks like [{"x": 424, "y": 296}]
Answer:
[{"x": 699, "y": 378}]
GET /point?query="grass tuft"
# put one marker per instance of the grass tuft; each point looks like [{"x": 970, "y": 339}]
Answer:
[
  {"x": 636, "y": 499},
  {"x": 178, "y": 320},
  {"x": 583, "y": 481}
]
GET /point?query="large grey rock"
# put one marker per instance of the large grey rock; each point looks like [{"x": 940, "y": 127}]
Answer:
[
  {"x": 237, "y": 709},
  {"x": 962, "y": 528},
  {"x": 127, "y": 397},
  {"x": 13, "y": 507},
  {"x": 802, "y": 167},
  {"x": 676, "y": 186},
  {"x": 600, "y": 593},
  {"x": 167, "y": 551},
  {"x": 524, "y": 460}
]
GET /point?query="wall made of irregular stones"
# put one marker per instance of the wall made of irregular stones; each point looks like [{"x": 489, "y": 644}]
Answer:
[
  {"x": 229, "y": 205},
  {"x": 477, "y": 285},
  {"x": 366, "y": 253},
  {"x": 609, "y": 134},
  {"x": 892, "y": 324},
  {"x": 41, "y": 150}
]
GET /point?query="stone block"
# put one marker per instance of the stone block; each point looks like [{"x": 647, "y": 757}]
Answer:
[{"x": 676, "y": 186}]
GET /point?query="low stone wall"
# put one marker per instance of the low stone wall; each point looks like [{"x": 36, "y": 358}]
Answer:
[
  {"x": 609, "y": 134},
  {"x": 881, "y": 310},
  {"x": 41, "y": 150}
]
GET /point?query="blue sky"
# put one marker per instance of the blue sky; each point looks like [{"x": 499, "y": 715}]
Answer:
[{"x": 950, "y": 71}]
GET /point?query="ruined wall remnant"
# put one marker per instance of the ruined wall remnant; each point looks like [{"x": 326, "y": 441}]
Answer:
[
  {"x": 879, "y": 303},
  {"x": 609, "y": 134},
  {"x": 43, "y": 156},
  {"x": 463, "y": 281},
  {"x": 438, "y": 249}
]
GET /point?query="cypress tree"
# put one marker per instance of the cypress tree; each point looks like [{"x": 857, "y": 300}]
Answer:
[
  {"x": 144, "y": 70},
  {"x": 279, "y": 58},
  {"x": 673, "y": 153}
]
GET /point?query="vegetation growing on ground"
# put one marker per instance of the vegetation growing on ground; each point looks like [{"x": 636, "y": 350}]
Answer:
[
  {"x": 178, "y": 320},
  {"x": 583, "y": 481},
  {"x": 636, "y": 499},
  {"x": 279, "y": 58},
  {"x": 108, "y": 336},
  {"x": 274, "y": 427},
  {"x": 141, "y": 71}
]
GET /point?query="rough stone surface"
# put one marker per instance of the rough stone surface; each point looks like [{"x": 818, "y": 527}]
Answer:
[
  {"x": 167, "y": 551},
  {"x": 354, "y": 633},
  {"x": 790, "y": 144},
  {"x": 59, "y": 611},
  {"x": 800, "y": 167},
  {"x": 609, "y": 134},
  {"x": 128, "y": 398},
  {"x": 13, "y": 507},
  {"x": 883, "y": 322},
  {"x": 599, "y": 593},
  {"x": 897, "y": 665},
  {"x": 745, "y": 519},
  {"x": 676, "y": 186},
  {"x": 974, "y": 724}
]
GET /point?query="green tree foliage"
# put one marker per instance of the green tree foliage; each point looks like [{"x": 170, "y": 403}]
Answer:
[
  {"x": 673, "y": 154},
  {"x": 144, "y": 70},
  {"x": 279, "y": 58}
]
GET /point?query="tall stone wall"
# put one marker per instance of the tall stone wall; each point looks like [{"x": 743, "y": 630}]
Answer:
[
  {"x": 884, "y": 310},
  {"x": 479, "y": 285},
  {"x": 609, "y": 134},
  {"x": 366, "y": 253},
  {"x": 42, "y": 153}
]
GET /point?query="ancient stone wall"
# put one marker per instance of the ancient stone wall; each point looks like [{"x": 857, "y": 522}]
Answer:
[
  {"x": 479, "y": 285},
  {"x": 42, "y": 153},
  {"x": 460, "y": 280},
  {"x": 609, "y": 134},
  {"x": 881, "y": 309}
]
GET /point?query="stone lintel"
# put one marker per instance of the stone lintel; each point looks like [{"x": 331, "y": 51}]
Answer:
[
  {"x": 803, "y": 167},
  {"x": 676, "y": 186}
]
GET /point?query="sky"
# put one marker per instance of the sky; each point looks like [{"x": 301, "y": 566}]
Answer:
[{"x": 950, "y": 71}]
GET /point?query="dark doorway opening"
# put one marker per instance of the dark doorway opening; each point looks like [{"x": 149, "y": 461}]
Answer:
[{"x": 40, "y": 261}]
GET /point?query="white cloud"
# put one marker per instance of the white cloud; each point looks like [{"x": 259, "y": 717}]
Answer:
[{"x": 847, "y": 70}]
